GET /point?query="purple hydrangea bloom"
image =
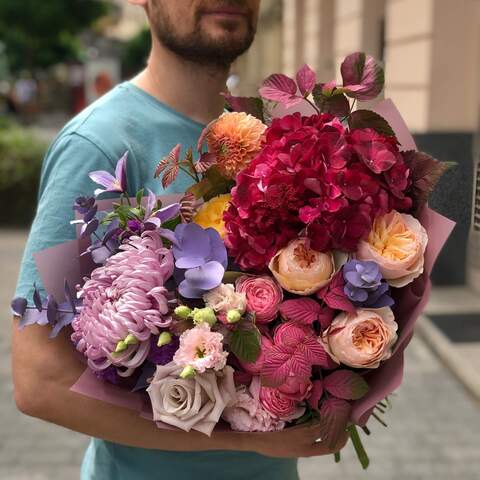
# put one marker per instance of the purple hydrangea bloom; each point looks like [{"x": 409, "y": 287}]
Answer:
[
  {"x": 201, "y": 258},
  {"x": 164, "y": 354},
  {"x": 364, "y": 285}
]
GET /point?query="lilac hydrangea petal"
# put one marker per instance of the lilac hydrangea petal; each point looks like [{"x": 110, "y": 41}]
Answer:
[
  {"x": 193, "y": 242},
  {"x": 218, "y": 250},
  {"x": 355, "y": 294},
  {"x": 206, "y": 277},
  {"x": 189, "y": 262},
  {"x": 187, "y": 291}
]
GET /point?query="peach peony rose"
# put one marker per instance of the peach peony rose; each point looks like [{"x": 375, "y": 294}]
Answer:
[
  {"x": 191, "y": 403},
  {"x": 301, "y": 270},
  {"x": 210, "y": 214},
  {"x": 397, "y": 243},
  {"x": 235, "y": 138},
  {"x": 362, "y": 339}
]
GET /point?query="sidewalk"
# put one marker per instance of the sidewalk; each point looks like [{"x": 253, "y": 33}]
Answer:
[{"x": 432, "y": 434}]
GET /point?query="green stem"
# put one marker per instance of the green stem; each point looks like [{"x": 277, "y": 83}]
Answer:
[
  {"x": 196, "y": 178},
  {"x": 358, "y": 446},
  {"x": 313, "y": 105},
  {"x": 337, "y": 457}
]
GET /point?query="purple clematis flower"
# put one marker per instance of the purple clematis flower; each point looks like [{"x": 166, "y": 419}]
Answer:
[
  {"x": 364, "y": 285},
  {"x": 117, "y": 183},
  {"x": 201, "y": 257}
]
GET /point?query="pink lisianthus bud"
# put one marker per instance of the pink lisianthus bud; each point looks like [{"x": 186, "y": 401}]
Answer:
[{"x": 263, "y": 295}]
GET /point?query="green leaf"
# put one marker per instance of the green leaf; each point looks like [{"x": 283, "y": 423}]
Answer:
[
  {"x": 336, "y": 104},
  {"x": 245, "y": 343},
  {"x": 172, "y": 223},
  {"x": 139, "y": 196},
  {"x": 231, "y": 276},
  {"x": 201, "y": 189},
  {"x": 358, "y": 446},
  {"x": 370, "y": 119},
  {"x": 219, "y": 184}
]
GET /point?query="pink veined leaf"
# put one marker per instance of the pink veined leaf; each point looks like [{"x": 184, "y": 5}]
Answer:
[
  {"x": 346, "y": 385},
  {"x": 281, "y": 362},
  {"x": 363, "y": 77},
  {"x": 187, "y": 207},
  {"x": 203, "y": 135},
  {"x": 206, "y": 161},
  {"x": 315, "y": 394},
  {"x": 172, "y": 158},
  {"x": 306, "y": 80},
  {"x": 302, "y": 310},
  {"x": 280, "y": 88},
  {"x": 334, "y": 417},
  {"x": 306, "y": 311},
  {"x": 334, "y": 296},
  {"x": 314, "y": 352},
  {"x": 170, "y": 175}
]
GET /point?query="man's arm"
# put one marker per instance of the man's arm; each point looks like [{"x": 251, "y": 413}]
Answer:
[{"x": 44, "y": 371}]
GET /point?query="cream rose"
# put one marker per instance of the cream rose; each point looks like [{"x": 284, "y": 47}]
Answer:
[
  {"x": 301, "y": 270},
  {"x": 362, "y": 339},
  {"x": 191, "y": 403},
  {"x": 397, "y": 243}
]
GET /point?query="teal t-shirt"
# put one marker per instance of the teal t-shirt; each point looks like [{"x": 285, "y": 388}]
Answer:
[{"x": 127, "y": 118}]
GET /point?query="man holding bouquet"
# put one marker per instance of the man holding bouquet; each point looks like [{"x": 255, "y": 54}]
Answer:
[{"x": 169, "y": 102}]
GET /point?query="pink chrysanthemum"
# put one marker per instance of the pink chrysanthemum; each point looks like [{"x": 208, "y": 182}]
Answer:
[
  {"x": 125, "y": 297},
  {"x": 201, "y": 349}
]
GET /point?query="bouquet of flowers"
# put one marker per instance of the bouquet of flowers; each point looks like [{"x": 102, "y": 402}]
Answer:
[{"x": 281, "y": 288}]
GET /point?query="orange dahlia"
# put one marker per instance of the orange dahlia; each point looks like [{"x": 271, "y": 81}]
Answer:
[{"x": 235, "y": 138}]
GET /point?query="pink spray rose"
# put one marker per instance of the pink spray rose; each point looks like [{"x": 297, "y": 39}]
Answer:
[
  {"x": 362, "y": 339},
  {"x": 190, "y": 403},
  {"x": 201, "y": 349},
  {"x": 247, "y": 413},
  {"x": 279, "y": 405},
  {"x": 397, "y": 243},
  {"x": 296, "y": 388},
  {"x": 263, "y": 295}
]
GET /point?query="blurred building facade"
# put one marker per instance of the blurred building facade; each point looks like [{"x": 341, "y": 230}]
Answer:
[{"x": 431, "y": 52}]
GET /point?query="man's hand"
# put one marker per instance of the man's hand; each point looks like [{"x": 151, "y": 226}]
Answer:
[{"x": 301, "y": 441}]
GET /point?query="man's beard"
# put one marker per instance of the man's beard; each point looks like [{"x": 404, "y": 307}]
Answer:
[{"x": 197, "y": 46}]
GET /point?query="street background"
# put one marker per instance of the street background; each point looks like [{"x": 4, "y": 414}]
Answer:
[{"x": 431, "y": 51}]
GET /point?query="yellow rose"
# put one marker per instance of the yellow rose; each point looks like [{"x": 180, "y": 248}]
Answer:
[{"x": 210, "y": 214}]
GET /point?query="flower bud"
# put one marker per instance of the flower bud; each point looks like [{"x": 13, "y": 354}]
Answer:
[
  {"x": 164, "y": 339},
  {"x": 183, "y": 311},
  {"x": 187, "y": 372},
  {"x": 130, "y": 339},
  {"x": 233, "y": 316},
  {"x": 201, "y": 315},
  {"x": 121, "y": 346}
]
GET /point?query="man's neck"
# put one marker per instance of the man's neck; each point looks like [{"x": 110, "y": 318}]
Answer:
[{"x": 189, "y": 88}]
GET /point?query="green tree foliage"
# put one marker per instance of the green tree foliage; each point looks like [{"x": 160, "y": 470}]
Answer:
[{"x": 41, "y": 33}]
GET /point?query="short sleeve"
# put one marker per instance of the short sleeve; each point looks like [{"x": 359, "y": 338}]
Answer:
[{"x": 64, "y": 178}]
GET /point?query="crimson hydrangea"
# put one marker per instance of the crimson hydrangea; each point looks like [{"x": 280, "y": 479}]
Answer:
[{"x": 313, "y": 175}]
